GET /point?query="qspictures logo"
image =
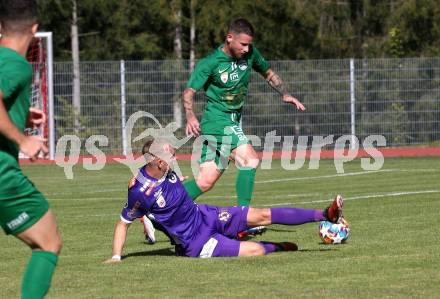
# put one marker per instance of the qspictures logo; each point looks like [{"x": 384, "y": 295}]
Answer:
[{"x": 345, "y": 148}]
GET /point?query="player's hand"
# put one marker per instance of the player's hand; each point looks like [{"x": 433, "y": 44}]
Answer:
[
  {"x": 192, "y": 126},
  {"x": 112, "y": 261},
  {"x": 32, "y": 146},
  {"x": 292, "y": 100},
  {"x": 35, "y": 118},
  {"x": 183, "y": 178}
]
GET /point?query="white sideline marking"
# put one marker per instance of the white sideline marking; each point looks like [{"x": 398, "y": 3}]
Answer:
[
  {"x": 420, "y": 170},
  {"x": 123, "y": 189},
  {"x": 95, "y": 215},
  {"x": 121, "y": 198},
  {"x": 325, "y": 176},
  {"x": 262, "y": 194},
  {"x": 357, "y": 197}
]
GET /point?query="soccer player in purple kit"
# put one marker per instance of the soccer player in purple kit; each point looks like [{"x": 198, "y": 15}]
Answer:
[{"x": 202, "y": 230}]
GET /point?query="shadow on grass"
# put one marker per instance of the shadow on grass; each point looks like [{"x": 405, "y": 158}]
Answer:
[
  {"x": 157, "y": 242},
  {"x": 290, "y": 230},
  {"x": 170, "y": 252},
  {"x": 158, "y": 252}
]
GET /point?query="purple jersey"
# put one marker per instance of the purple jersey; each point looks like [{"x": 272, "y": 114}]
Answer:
[
  {"x": 201, "y": 230},
  {"x": 167, "y": 201}
]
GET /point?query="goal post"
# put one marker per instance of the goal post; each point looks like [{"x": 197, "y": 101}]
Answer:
[{"x": 40, "y": 55}]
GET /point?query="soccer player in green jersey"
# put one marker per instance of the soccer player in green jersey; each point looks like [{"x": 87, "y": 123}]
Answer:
[
  {"x": 224, "y": 75},
  {"x": 24, "y": 212}
]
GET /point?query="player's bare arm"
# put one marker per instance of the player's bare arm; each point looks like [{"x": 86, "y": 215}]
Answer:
[
  {"x": 192, "y": 124},
  {"x": 278, "y": 85},
  {"x": 29, "y": 145},
  {"x": 118, "y": 241}
]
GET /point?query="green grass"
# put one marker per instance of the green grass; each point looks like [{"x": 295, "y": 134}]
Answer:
[{"x": 392, "y": 251}]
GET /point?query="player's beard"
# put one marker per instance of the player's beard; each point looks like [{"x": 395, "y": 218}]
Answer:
[
  {"x": 236, "y": 54},
  {"x": 233, "y": 52}
]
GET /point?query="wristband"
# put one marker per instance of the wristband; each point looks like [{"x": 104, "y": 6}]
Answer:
[{"x": 116, "y": 257}]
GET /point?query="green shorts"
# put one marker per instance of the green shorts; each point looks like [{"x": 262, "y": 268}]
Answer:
[
  {"x": 218, "y": 148},
  {"x": 19, "y": 213}
]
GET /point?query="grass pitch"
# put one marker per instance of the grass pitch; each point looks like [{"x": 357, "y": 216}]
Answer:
[{"x": 392, "y": 251}]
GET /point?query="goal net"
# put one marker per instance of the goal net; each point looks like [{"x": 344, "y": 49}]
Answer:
[{"x": 41, "y": 58}]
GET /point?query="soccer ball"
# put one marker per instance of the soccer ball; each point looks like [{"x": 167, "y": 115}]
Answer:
[{"x": 334, "y": 233}]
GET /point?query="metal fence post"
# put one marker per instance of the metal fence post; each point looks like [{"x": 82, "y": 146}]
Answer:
[
  {"x": 352, "y": 104},
  {"x": 51, "y": 100},
  {"x": 123, "y": 111}
]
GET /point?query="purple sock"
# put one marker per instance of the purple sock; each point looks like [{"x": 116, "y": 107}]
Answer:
[
  {"x": 295, "y": 216},
  {"x": 268, "y": 247}
]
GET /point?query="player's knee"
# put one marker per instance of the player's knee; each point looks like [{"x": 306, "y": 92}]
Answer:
[
  {"x": 266, "y": 216},
  {"x": 58, "y": 244},
  {"x": 251, "y": 161},
  {"x": 205, "y": 184},
  {"x": 251, "y": 249},
  {"x": 54, "y": 244},
  {"x": 258, "y": 250}
]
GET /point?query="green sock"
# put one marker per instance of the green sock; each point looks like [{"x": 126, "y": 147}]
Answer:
[
  {"x": 245, "y": 185},
  {"x": 192, "y": 188},
  {"x": 38, "y": 274}
]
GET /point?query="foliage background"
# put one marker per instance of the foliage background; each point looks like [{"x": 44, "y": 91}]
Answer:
[{"x": 285, "y": 29}]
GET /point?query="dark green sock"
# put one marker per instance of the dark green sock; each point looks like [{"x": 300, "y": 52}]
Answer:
[
  {"x": 38, "y": 274},
  {"x": 245, "y": 185},
  {"x": 192, "y": 188}
]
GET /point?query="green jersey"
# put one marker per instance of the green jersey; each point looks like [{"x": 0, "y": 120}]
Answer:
[
  {"x": 15, "y": 84},
  {"x": 225, "y": 81}
]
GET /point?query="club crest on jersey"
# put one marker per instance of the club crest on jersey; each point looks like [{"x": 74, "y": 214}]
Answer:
[
  {"x": 224, "y": 77},
  {"x": 242, "y": 65},
  {"x": 224, "y": 216},
  {"x": 161, "y": 201}
]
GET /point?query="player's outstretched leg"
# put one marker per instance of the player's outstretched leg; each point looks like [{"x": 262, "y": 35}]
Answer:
[
  {"x": 333, "y": 213},
  {"x": 295, "y": 216},
  {"x": 270, "y": 247},
  {"x": 262, "y": 248}
]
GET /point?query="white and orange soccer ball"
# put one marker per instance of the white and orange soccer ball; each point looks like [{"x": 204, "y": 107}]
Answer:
[{"x": 334, "y": 233}]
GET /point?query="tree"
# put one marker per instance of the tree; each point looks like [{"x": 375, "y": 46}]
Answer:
[
  {"x": 76, "y": 97},
  {"x": 176, "y": 8}
]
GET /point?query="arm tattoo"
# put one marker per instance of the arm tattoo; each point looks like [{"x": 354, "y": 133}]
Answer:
[
  {"x": 277, "y": 83},
  {"x": 188, "y": 95}
]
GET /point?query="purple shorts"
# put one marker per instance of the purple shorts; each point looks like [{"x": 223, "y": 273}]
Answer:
[{"x": 215, "y": 236}]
